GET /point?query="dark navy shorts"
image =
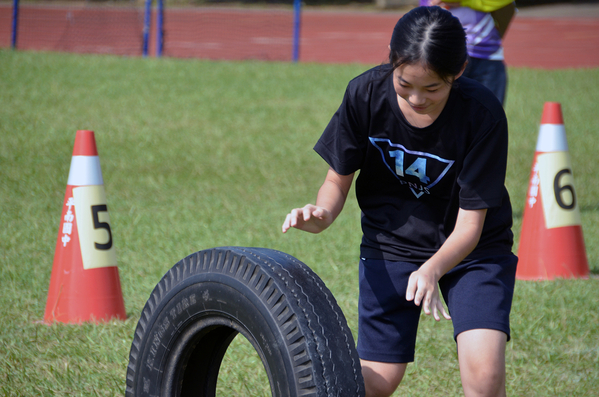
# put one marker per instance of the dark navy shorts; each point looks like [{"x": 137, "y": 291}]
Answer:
[{"x": 478, "y": 295}]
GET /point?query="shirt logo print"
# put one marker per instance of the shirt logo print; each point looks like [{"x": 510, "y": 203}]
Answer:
[{"x": 420, "y": 171}]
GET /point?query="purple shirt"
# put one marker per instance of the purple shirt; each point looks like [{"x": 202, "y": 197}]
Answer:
[{"x": 482, "y": 37}]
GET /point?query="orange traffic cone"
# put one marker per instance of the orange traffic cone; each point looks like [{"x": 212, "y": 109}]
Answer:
[
  {"x": 551, "y": 242},
  {"x": 85, "y": 284}
]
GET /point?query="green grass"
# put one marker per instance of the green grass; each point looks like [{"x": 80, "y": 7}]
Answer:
[{"x": 199, "y": 154}]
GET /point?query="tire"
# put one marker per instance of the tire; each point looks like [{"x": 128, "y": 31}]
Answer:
[{"x": 278, "y": 303}]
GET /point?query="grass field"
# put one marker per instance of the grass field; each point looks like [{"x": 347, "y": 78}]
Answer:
[{"x": 200, "y": 154}]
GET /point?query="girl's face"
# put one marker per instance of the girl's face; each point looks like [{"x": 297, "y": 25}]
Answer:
[{"x": 422, "y": 94}]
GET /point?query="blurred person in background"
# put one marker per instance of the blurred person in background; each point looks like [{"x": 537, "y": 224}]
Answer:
[{"x": 486, "y": 23}]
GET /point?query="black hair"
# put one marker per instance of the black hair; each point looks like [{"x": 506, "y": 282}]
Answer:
[{"x": 432, "y": 37}]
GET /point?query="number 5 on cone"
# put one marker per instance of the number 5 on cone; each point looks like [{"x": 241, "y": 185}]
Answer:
[{"x": 93, "y": 223}]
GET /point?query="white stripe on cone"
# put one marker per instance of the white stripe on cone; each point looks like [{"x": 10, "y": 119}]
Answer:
[
  {"x": 85, "y": 170},
  {"x": 552, "y": 138}
]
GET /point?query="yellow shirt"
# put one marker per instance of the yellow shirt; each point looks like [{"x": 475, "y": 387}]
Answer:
[{"x": 482, "y": 5}]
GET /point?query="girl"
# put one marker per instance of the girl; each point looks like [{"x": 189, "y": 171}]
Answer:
[{"x": 431, "y": 150}]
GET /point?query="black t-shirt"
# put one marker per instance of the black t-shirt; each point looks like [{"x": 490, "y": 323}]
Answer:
[{"x": 412, "y": 181}]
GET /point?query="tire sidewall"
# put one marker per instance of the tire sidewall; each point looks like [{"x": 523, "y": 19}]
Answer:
[{"x": 205, "y": 300}]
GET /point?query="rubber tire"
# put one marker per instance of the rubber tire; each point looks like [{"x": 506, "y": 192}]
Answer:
[{"x": 278, "y": 303}]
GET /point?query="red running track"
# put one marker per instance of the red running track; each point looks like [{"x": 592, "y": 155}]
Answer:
[
  {"x": 553, "y": 43},
  {"x": 326, "y": 36},
  {"x": 548, "y": 43}
]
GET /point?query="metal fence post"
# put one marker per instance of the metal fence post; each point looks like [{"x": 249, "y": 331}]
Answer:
[
  {"x": 146, "y": 29},
  {"x": 159, "y": 29},
  {"x": 297, "y": 10},
  {"x": 15, "y": 24}
]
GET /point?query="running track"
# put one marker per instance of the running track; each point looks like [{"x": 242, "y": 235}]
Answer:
[
  {"x": 548, "y": 43},
  {"x": 326, "y": 36}
]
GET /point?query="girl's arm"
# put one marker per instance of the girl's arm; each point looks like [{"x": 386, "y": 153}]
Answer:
[
  {"x": 423, "y": 283},
  {"x": 329, "y": 203}
]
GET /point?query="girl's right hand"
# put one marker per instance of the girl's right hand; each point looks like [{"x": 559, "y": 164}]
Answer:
[{"x": 309, "y": 218}]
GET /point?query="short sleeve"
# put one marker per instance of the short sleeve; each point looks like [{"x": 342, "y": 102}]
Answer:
[{"x": 344, "y": 140}]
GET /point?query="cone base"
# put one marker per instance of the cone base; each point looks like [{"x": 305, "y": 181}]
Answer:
[
  {"x": 86, "y": 295},
  {"x": 87, "y": 317},
  {"x": 553, "y": 253}
]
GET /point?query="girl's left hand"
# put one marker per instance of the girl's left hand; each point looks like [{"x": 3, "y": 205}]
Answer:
[
  {"x": 423, "y": 285},
  {"x": 423, "y": 288}
]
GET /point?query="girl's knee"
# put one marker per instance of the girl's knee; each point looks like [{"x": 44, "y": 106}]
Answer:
[
  {"x": 484, "y": 381},
  {"x": 381, "y": 379},
  {"x": 377, "y": 390},
  {"x": 481, "y": 354}
]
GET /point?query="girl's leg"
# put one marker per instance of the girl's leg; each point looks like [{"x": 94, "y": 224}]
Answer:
[
  {"x": 481, "y": 354},
  {"x": 387, "y": 324},
  {"x": 381, "y": 379},
  {"x": 479, "y": 296}
]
